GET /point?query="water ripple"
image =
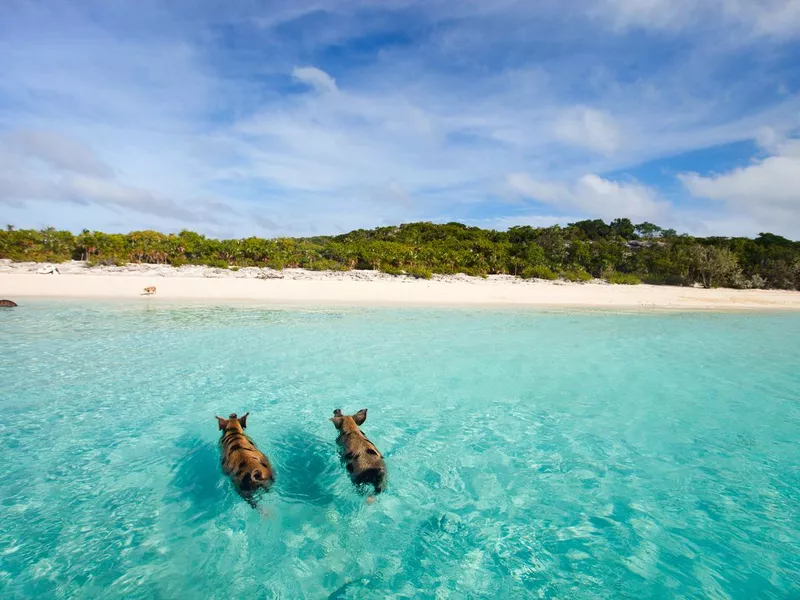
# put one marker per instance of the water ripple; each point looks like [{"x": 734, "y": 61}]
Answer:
[{"x": 554, "y": 455}]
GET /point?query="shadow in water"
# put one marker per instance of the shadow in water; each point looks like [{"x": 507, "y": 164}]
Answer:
[
  {"x": 197, "y": 478},
  {"x": 305, "y": 468},
  {"x": 357, "y": 588}
]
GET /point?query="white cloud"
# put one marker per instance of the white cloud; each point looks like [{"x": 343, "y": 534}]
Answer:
[
  {"x": 355, "y": 142},
  {"x": 773, "y": 181},
  {"x": 766, "y": 192},
  {"x": 757, "y": 17},
  {"x": 15, "y": 190},
  {"x": 316, "y": 78},
  {"x": 656, "y": 14},
  {"x": 594, "y": 196},
  {"x": 503, "y": 223},
  {"x": 60, "y": 152},
  {"x": 165, "y": 118},
  {"x": 589, "y": 128},
  {"x": 52, "y": 167}
]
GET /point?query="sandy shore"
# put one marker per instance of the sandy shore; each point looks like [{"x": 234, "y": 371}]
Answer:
[{"x": 76, "y": 280}]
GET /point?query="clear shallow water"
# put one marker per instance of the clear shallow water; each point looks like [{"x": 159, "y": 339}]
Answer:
[{"x": 531, "y": 454}]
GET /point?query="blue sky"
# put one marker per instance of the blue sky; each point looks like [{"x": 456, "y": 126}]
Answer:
[{"x": 316, "y": 117}]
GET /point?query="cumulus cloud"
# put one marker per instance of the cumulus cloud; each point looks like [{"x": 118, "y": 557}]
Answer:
[
  {"x": 589, "y": 128},
  {"x": 773, "y": 181},
  {"x": 593, "y": 196},
  {"x": 767, "y": 192}
]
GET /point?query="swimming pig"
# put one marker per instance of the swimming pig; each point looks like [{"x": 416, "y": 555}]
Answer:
[
  {"x": 364, "y": 462},
  {"x": 241, "y": 460}
]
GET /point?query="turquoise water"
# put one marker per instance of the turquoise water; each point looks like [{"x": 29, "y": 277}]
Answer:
[{"x": 530, "y": 454}]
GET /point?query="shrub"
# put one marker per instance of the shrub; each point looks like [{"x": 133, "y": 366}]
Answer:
[
  {"x": 216, "y": 263},
  {"x": 713, "y": 266},
  {"x": 233, "y": 267},
  {"x": 538, "y": 272},
  {"x": 622, "y": 278},
  {"x": 576, "y": 275},
  {"x": 391, "y": 270},
  {"x": 656, "y": 279},
  {"x": 178, "y": 261},
  {"x": 419, "y": 272},
  {"x": 95, "y": 261},
  {"x": 475, "y": 272},
  {"x": 324, "y": 265},
  {"x": 743, "y": 282},
  {"x": 757, "y": 282}
]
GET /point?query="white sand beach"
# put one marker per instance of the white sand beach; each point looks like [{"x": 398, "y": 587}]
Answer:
[{"x": 196, "y": 283}]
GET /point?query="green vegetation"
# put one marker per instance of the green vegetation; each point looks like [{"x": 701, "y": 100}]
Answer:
[
  {"x": 620, "y": 251},
  {"x": 576, "y": 274},
  {"x": 419, "y": 272},
  {"x": 538, "y": 272},
  {"x": 622, "y": 278}
]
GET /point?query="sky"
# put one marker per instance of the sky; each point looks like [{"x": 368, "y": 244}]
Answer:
[{"x": 311, "y": 117}]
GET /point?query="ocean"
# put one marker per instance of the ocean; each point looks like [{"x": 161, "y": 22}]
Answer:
[{"x": 531, "y": 453}]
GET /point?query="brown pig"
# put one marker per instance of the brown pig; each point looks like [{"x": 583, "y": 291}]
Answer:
[
  {"x": 362, "y": 459},
  {"x": 245, "y": 464}
]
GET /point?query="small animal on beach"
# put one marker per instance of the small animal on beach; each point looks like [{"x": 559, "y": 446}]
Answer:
[
  {"x": 150, "y": 290},
  {"x": 7, "y": 303},
  {"x": 362, "y": 459},
  {"x": 246, "y": 465}
]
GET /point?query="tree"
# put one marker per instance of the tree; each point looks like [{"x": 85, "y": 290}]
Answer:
[
  {"x": 593, "y": 230},
  {"x": 521, "y": 234},
  {"x": 714, "y": 266},
  {"x": 770, "y": 239},
  {"x": 623, "y": 228},
  {"x": 580, "y": 253},
  {"x": 551, "y": 239},
  {"x": 425, "y": 248},
  {"x": 648, "y": 230},
  {"x": 781, "y": 274}
]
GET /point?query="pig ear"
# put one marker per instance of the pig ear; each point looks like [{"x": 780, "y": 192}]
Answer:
[
  {"x": 243, "y": 420},
  {"x": 337, "y": 412},
  {"x": 360, "y": 416},
  {"x": 223, "y": 423},
  {"x": 337, "y": 422}
]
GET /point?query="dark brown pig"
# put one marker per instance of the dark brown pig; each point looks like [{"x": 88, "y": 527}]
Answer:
[{"x": 362, "y": 459}]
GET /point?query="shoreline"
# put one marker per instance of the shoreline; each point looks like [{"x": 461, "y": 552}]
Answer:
[{"x": 365, "y": 288}]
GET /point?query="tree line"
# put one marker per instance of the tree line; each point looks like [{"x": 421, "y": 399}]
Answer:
[{"x": 620, "y": 252}]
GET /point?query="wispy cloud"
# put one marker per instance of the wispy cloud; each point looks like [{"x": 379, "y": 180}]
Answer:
[
  {"x": 59, "y": 152},
  {"x": 755, "y": 17},
  {"x": 319, "y": 116},
  {"x": 49, "y": 167},
  {"x": 589, "y": 128},
  {"x": 317, "y": 78}
]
